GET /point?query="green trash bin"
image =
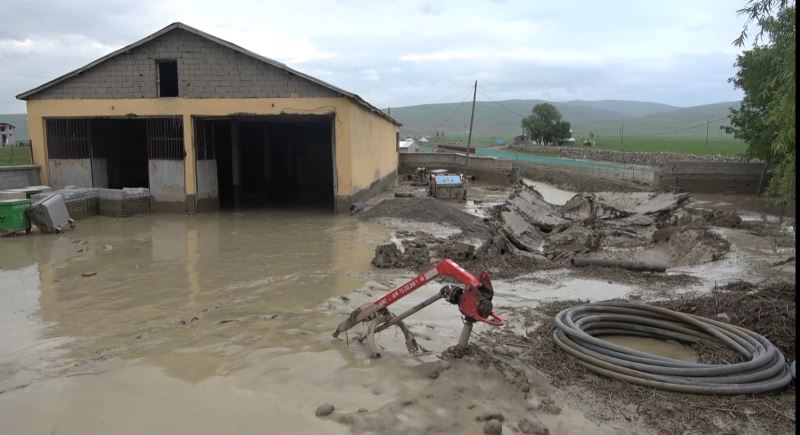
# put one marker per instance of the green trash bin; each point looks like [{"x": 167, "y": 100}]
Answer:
[{"x": 13, "y": 217}]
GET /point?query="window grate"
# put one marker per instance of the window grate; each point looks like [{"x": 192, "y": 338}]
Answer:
[
  {"x": 165, "y": 138},
  {"x": 68, "y": 139}
]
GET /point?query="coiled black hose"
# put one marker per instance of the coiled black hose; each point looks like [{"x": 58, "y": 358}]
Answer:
[{"x": 577, "y": 329}]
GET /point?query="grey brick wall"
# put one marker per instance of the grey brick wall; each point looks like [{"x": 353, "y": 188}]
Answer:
[{"x": 205, "y": 70}]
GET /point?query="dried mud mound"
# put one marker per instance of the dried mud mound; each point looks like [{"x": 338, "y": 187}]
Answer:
[
  {"x": 689, "y": 246},
  {"x": 768, "y": 309},
  {"x": 428, "y": 210}
]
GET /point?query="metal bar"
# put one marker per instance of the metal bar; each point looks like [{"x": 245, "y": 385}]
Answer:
[
  {"x": 466, "y": 331},
  {"x": 410, "y": 311}
]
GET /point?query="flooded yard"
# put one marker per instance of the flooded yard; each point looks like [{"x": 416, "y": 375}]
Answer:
[{"x": 221, "y": 323}]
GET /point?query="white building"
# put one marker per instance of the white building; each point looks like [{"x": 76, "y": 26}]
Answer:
[
  {"x": 6, "y": 134},
  {"x": 408, "y": 146}
]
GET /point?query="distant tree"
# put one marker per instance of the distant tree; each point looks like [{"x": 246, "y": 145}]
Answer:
[
  {"x": 545, "y": 126},
  {"x": 766, "y": 73}
]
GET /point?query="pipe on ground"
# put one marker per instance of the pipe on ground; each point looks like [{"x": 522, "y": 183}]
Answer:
[
  {"x": 642, "y": 266},
  {"x": 764, "y": 368}
]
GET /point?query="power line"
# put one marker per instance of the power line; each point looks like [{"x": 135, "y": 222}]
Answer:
[
  {"x": 501, "y": 105},
  {"x": 466, "y": 98}
]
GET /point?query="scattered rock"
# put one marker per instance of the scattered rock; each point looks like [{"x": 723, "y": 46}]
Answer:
[
  {"x": 550, "y": 407},
  {"x": 324, "y": 410},
  {"x": 493, "y": 427},
  {"x": 108, "y": 247},
  {"x": 491, "y": 416},
  {"x": 387, "y": 256},
  {"x": 88, "y": 274},
  {"x": 408, "y": 402},
  {"x": 529, "y": 426}
]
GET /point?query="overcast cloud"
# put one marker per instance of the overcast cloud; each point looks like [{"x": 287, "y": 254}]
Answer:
[{"x": 396, "y": 53}]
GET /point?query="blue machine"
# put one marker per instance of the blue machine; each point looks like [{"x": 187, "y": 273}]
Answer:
[
  {"x": 448, "y": 180},
  {"x": 444, "y": 185}
]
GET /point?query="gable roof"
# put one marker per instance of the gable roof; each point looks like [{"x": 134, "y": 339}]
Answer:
[{"x": 174, "y": 26}]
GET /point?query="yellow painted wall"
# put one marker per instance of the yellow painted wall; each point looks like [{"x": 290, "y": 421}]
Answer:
[
  {"x": 365, "y": 142},
  {"x": 373, "y": 147}
]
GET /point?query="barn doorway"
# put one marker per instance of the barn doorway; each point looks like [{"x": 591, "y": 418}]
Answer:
[{"x": 270, "y": 161}]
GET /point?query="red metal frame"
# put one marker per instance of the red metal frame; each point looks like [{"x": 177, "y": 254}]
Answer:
[{"x": 468, "y": 304}]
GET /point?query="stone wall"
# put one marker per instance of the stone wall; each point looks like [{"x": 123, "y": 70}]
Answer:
[
  {"x": 13, "y": 177},
  {"x": 633, "y": 158},
  {"x": 713, "y": 177}
]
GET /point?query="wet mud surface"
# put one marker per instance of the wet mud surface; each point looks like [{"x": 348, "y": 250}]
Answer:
[{"x": 221, "y": 323}]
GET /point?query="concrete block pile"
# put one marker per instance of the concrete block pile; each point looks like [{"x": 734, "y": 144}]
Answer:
[{"x": 83, "y": 202}]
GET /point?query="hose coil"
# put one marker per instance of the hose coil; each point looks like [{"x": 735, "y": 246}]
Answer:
[{"x": 577, "y": 329}]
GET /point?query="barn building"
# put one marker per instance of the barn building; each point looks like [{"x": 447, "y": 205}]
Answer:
[{"x": 204, "y": 123}]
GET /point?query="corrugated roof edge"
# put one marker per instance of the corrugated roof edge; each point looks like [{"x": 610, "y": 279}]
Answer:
[{"x": 232, "y": 46}]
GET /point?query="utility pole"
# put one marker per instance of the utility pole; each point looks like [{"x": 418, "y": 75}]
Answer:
[
  {"x": 471, "y": 119},
  {"x": 708, "y": 123}
]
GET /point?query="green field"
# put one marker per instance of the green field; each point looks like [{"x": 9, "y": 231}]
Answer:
[
  {"x": 14, "y": 155},
  {"x": 644, "y": 126},
  {"x": 726, "y": 146}
]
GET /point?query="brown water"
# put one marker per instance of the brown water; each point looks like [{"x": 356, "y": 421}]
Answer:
[
  {"x": 216, "y": 323},
  {"x": 669, "y": 349},
  {"x": 172, "y": 300}
]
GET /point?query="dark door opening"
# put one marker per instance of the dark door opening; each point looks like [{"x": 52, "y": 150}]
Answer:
[
  {"x": 276, "y": 161},
  {"x": 123, "y": 144}
]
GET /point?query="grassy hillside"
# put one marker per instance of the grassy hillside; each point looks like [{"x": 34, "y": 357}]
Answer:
[
  {"x": 645, "y": 126},
  {"x": 630, "y": 108},
  {"x": 18, "y": 120}
]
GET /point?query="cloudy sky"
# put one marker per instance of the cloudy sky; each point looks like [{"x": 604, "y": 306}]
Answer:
[{"x": 396, "y": 53}]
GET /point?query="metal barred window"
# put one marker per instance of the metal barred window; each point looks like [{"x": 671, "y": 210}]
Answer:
[
  {"x": 68, "y": 138},
  {"x": 204, "y": 139},
  {"x": 165, "y": 138}
]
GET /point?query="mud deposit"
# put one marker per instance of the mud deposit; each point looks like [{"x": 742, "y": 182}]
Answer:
[{"x": 221, "y": 323}]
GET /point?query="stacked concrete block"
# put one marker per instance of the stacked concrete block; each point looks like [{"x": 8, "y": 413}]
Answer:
[
  {"x": 90, "y": 201},
  {"x": 125, "y": 202}
]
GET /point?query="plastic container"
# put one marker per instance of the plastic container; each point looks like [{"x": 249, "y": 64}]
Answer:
[
  {"x": 50, "y": 214},
  {"x": 13, "y": 217}
]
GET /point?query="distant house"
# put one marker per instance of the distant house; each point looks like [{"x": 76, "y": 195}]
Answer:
[
  {"x": 423, "y": 139},
  {"x": 408, "y": 146},
  {"x": 568, "y": 142},
  {"x": 520, "y": 140},
  {"x": 6, "y": 134}
]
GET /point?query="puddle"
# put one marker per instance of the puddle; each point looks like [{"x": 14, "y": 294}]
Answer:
[
  {"x": 669, "y": 349},
  {"x": 550, "y": 193}
]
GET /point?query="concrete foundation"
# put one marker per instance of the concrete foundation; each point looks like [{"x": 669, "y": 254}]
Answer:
[
  {"x": 343, "y": 203},
  {"x": 99, "y": 172},
  {"x": 167, "y": 185},
  {"x": 207, "y": 185},
  {"x": 70, "y": 172}
]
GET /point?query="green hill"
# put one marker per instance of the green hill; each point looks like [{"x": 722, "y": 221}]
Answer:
[
  {"x": 18, "y": 120},
  {"x": 604, "y": 118}
]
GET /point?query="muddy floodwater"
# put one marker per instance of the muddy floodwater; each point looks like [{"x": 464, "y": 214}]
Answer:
[
  {"x": 194, "y": 324},
  {"x": 221, "y": 323}
]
